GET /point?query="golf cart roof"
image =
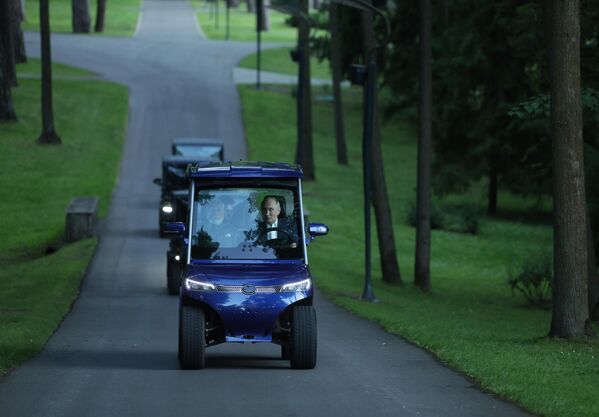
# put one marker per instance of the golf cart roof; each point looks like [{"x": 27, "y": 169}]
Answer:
[
  {"x": 180, "y": 160},
  {"x": 244, "y": 169}
]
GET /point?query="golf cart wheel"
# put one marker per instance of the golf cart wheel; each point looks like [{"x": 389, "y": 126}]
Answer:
[
  {"x": 192, "y": 337},
  {"x": 173, "y": 276},
  {"x": 285, "y": 352},
  {"x": 303, "y": 337}
]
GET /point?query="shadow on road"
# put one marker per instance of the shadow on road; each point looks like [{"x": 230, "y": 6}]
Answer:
[
  {"x": 245, "y": 362},
  {"x": 150, "y": 360},
  {"x": 111, "y": 359}
]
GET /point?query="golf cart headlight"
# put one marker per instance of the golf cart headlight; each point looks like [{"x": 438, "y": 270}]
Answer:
[
  {"x": 167, "y": 209},
  {"x": 192, "y": 285},
  {"x": 297, "y": 286}
]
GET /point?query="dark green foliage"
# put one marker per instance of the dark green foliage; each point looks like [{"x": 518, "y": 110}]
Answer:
[
  {"x": 350, "y": 31},
  {"x": 533, "y": 280},
  {"x": 534, "y": 170},
  {"x": 459, "y": 219},
  {"x": 490, "y": 62}
]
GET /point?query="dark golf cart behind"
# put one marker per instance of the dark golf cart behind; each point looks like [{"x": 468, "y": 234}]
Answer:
[{"x": 185, "y": 151}]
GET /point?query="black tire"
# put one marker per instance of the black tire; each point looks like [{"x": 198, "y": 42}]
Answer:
[
  {"x": 192, "y": 338},
  {"x": 285, "y": 352},
  {"x": 303, "y": 337},
  {"x": 173, "y": 276}
]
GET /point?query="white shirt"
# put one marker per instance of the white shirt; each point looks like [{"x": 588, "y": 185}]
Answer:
[{"x": 272, "y": 235}]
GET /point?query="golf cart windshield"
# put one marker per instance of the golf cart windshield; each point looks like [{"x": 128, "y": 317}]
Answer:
[
  {"x": 231, "y": 223},
  {"x": 202, "y": 152}
]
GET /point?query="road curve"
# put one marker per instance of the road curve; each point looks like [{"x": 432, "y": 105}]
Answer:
[{"x": 115, "y": 354}]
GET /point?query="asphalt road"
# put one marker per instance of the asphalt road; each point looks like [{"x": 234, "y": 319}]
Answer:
[{"x": 116, "y": 353}]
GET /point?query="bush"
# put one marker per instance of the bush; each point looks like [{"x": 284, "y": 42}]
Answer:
[
  {"x": 459, "y": 219},
  {"x": 534, "y": 280}
]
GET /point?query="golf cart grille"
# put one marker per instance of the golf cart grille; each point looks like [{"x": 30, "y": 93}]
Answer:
[
  {"x": 229, "y": 288},
  {"x": 264, "y": 289},
  {"x": 269, "y": 289}
]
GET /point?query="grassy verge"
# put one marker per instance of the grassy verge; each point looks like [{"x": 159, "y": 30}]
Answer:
[
  {"x": 36, "y": 290},
  {"x": 120, "y": 18},
  {"x": 242, "y": 24},
  {"x": 470, "y": 320},
  {"x": 277, "y": 60}
]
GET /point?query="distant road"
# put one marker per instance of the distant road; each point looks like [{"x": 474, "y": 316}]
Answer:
[{"x": 116, "y": 352}]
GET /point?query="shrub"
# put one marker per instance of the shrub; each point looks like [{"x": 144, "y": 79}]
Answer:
[{"x": 534, "y": 280}]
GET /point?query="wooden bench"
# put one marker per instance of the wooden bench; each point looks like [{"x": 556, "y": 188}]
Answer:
[{"x": 81, "y": 216}]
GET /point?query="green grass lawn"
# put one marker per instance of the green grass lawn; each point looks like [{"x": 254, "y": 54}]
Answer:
[
  {"x": 120, "y": 18},
  {"x": 32, "y": 69},
  {"x": 277, "y": 60},
  {"x": 36, "y": 290},
  {"x": 470, "y": 320},
  {"x": 242, "y": 24}
]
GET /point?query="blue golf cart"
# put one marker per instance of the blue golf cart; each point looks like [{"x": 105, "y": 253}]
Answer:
[{"x": 246, "y": 276}]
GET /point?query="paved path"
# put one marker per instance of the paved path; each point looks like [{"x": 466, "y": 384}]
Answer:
[{"x": 116, "y": 352}]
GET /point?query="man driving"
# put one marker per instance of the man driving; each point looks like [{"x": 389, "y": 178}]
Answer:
[{"x": 275, "y": 228}]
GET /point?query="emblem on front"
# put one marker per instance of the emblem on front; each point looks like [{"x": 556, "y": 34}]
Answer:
[{"x": 248, "y": 289}]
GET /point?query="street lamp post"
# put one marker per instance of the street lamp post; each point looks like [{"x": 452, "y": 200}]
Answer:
[
  {"x": 228, "y": 20},
  {"x": 259, "y": 6},
  {"x": 366, "y": 75}
]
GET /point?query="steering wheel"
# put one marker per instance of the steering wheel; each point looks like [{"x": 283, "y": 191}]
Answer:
[{"x": 287, "y": 238}]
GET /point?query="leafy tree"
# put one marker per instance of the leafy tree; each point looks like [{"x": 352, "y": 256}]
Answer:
[{"x": 472, "y": 40}]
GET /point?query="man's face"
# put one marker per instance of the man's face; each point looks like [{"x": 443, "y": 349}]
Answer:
[
  {"x": 217, "y": 213},
  {"x": 270, "y": 210}
]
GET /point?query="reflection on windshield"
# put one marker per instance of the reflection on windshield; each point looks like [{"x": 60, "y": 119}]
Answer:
[
  {"x": 245, "y": 223},
  {"x": 203, "y": 152}
]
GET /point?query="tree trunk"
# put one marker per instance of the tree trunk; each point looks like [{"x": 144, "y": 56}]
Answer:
[
  {"x": 7, "y": 63},
  {"x": 8, "y": 44},
  {"x": 592, "y": 271},
  {"x": 19, "y": 41},
  {"x": 100, "y": 12},
  {"x": 380, "y": 199},
  {"x": 265, "y": 16},
  {"x": 570, "y": 287},
  {"x": 336, "y": 72},
  {"x": 7, "y": 110},
  {"x": 80, "y": 16},
  {"x": 251, "y": 6},
  {"x": 304, "y": 155},
  {"x": 423, "y": 225},
  {"x": 492, "y": 191},
  {"x": 48, "y": 136}
]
